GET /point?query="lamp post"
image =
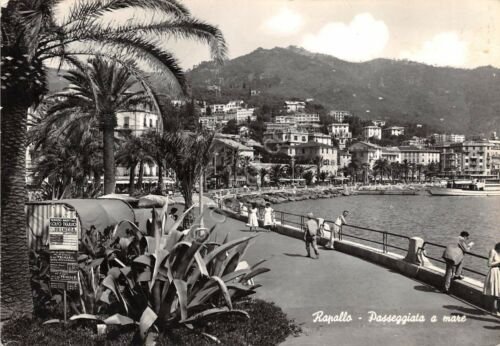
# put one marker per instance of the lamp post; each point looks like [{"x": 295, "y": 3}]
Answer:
[
  {"x": 215, "y": 168},
  {"x": 293, "y": 170}
]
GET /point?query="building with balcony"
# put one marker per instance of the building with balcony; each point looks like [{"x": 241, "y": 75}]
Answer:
[
  {"x": 418, "y": 156},
  {"x": 295, "y": 106},
  {"x": 241, "y": 115},
  {"x": 339, "y": 116},
  {"x": 365, "y": 153},
  {"x": 298, "y": 118},
  {"x": 391, "y": 154},
  {"x": 372, "y": 132},
  {"x": 320, "y": 138},
  {"x": 474, "y": 157},
  {"x": 285, "y": 137},
  {"x": 341, "y": 133},
  {"x": 343, "y": 158},
  {"x": 312, "y": 151},
  {"x": 441, "y": 138}
]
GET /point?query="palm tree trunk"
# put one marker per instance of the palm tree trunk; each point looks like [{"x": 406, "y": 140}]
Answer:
[
  {"x": 187, "y": 193},
  {"x": 131, "y": 179},
  {"x": 160, "y": 176},
  {"x": 15, "y": 276},
  {"x": 140, "y": 175},
  {"x": 108, "y": 136}
]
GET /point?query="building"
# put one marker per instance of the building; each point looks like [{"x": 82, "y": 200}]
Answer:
[
  {"x": 394, "y": 131},
  {"x": 343, "y": 158},
  {"x": 365, "y": 153},
  {"x": 218, "y": 109},
  {"x": 474, "y": 157},
  {"x": 391, "y": 154},
  {"x": 241, "y": 115},
  {"x": 295, "y": 106},
  {"x": 339, "y": 116},
  {"x": 320, "y": 138},
  {"x": 285, "y": 137},
  {"x": 372, "y": 132},
  {"x": 418, "y": 156},
  {"x": 341, "y": 134},
  {"x": 226, "y": 148},
  {"x": 298, "y": 118},
  {"x": 137, "y": 122},
  {"x": 415, "y": 142},
  {"x": 210, "y": 122},
  {"x": 440, "y": 138},
  {"x": 312, "y": 151},
  {"x": 379, "y": 123},
  {"x": 232, "y": 105},
  {"x": 276, "y": 127}
]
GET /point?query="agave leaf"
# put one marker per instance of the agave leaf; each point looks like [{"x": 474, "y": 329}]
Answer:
[
  {"x": 253, "y": 273},
  {"x": 201, "y": 264},
  {"x": 202, "y": 296},
  {"x": 151, "y": 338},
  {"x": 144, "y": 259},
  {"x": 163, "y": 215},
  {"x": 235, "y": 274},
  {"x": 160, "y": 256},
  {"x": 121, "y": 228},
  {"x": 179, "y": 220},
  {"x": 84, "y": 317},
  {"x": 148, "y": 317},
  {"x": 96, "y": 262},
  {"x": 258, "y": 263},
  {"x": 119, "y": 319},
  {"x": 55, "y": 320},
  {"x": 125, "y": 243},
  {"x": 115, "y": 272},
  {"x": 105, "y": 296},
  {"x": 145, "y": 276},
  {"x": 225, "y": 247},
  {"x": 181, "y": 287},
  {"x": 225, "y": 292},
  {"x": 151, "y": 241},
  {"x": 109, "y": 282}
]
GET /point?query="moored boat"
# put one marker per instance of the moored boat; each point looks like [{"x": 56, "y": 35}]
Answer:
[{"x": 468, "y": 188}]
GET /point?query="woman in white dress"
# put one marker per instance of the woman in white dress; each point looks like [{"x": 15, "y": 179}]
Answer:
[
  {"x": 492, "y": 281},
  {"x": 253, "y": 223},
  {"x": 269, "y": 218}
]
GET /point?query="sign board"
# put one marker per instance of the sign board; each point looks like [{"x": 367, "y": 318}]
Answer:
[{"x": 63, "y": 246}]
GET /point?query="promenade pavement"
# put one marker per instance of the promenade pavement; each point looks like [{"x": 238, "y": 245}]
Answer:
[{"x": 342, "y": 285}]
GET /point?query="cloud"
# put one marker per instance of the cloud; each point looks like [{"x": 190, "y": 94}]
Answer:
[
  {"x": 286, "y": 22},
  {"x": 364, "y": 38},
  {"x": 444, "y": 49}
]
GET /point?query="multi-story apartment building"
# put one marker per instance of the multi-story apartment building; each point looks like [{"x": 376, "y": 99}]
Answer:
[
  {"x": 241, "y": 115},
  {"x": 210, "y": 122},
  {"x": 474, "y": 157},
  {"x": 391, "y": 154},
  {"x": 414, "y": 155},
  {"x": 298, "y": 118},
  {"x": 365, "y": 153},
  {"x": 288, "y": 136},
  {"x": 415, "y": 142},
  {"x": 137, "y": 122},
  {"x": 218, "y": 109},
  {"x": 343, "y": 158},
  {"x": 372, "y": 132},
  {"x": 339, "y": 116},
  {"x": 440, "y": 138},
  {"x": 275, "y": 127},
  {"x": 312, "y": 151},
  {"x": 295, "y": 106},
  {"x": 394, "y": 131},
  {"x": 320, "y": 138},
  {"x": 341, "y": 134}
]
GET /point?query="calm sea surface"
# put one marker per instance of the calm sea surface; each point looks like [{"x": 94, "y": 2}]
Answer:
[{"x": 435, "y": 219}]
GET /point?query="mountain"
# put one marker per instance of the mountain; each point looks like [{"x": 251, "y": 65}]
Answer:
[{"x": 450, "y": 99}]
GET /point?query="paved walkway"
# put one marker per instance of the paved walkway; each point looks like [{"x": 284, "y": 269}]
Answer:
[{"x": 343, "y": 285}]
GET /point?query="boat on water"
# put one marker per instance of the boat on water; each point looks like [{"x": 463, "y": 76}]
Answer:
[{"x": 468, "y": 187}]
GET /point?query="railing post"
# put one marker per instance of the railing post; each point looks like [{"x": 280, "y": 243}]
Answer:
[
  {"x": 384, "y": 241},
  {"x": 282, "y": 219},
  {"x": 340, "y": 232}
]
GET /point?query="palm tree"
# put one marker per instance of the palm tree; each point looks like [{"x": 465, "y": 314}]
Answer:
[
  {"x": 381, "y": 167},
  {"x": 395, "y": 169},
  {"x": 131, "y": 154},
  {"x": 244, "y": 162},
  {"x": 405, "y": 167},
  {"x": 263, "y": 172},
  {"x": 99, "y": 91},
  {"x": 276, "y": 173},
  {"x": 353, "y": 168},
  {"x": 187, "y": 153},
  {"x": 156, "y": 148},
  {"x": 31, "y": 36}
]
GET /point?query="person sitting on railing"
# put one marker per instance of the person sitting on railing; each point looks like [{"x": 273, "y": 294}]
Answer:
[
  {"x": 336, "y": 228},
  {"x": 454, "y": 258},
  {"x": 492, "y": 280}
]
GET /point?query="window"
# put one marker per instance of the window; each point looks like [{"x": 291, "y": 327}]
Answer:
[
  {"x": 126, "y": 121},
  {"x": 150, "y": 122},
  {"x": 303, "y": 138},
  {"x": 295, "y": 138},
  {"x": 145, "y": 122}
]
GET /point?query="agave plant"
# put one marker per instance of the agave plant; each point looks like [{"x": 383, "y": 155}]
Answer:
[{"x": 168, "y": 279}]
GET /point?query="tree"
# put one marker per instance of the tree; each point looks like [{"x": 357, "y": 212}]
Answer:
[
  {"x": 405, "y": 168},
  {"x": 244, "y": 162},
  {"x": 353, "y": 169},
  {"x": 381, "y": 167},
  {"x": 99, "y": 91},
  {"x": 276, "y": 173},
  {"x": 230, "y": 128},
  {"x": 31, "y": 35},
  {"x": 308, "y": 176},
  {"x": 263, "y": 172},
  {"x": 187, "y": 153},
  {"x": 323, "y": 175},
  {"x": 156, "y": 148},
  {"x": 131, "y": 154}
]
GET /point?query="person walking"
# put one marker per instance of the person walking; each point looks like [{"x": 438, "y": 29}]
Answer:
[
  {"x": 336, "y": 228},
  {"x": 492, "y": 280},
  {"x": 454, "y": 258},
  {"x": 253, "y": 222},
  {"x": 311, "y": 234},
  {"x": 269, "y": 217}
]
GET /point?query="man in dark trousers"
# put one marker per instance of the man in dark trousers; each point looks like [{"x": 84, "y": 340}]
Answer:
[
  {"x": 311, "y": 235},
  {"x": 454, "y": 258}
]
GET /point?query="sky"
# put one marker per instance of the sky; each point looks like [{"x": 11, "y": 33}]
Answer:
[{"x": 457, "y": 33}]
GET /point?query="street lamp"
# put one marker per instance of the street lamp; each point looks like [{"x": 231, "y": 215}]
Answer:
[
  {"x": 215, "y": 168},
  {"x": 293, "y": 170}
]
